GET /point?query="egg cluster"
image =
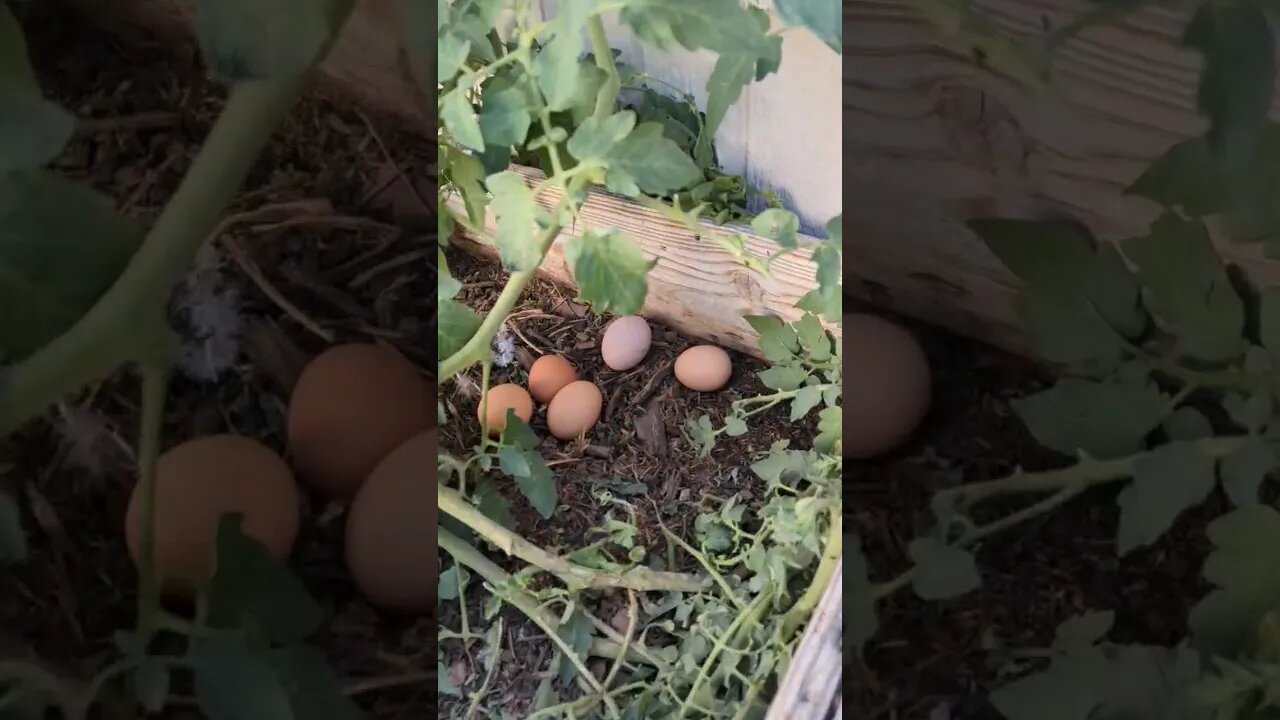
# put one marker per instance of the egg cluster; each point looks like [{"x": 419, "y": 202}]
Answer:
[
  {"x": 574, "y": 405},
  {"x": 361, "y": 430}
]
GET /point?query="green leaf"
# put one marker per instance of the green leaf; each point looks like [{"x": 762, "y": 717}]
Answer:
[
  {"x": 447, "y": 287},
  {"x": 731, "y": 74},
  {"x": 830, "y": 422},
  {"x": 1252, "y": 413},
  {"x": 13, "y": 539},
  {"x": 778, "y": 225},
  {"x": 253, "y": 590},
  {"x": 513, "y": 203},
  {"x": 611, "y": 270},
  {"x": 459, "y": 118},
  {"x": 466, "y": 173},
  {"x": 451, "y": 54},
  {"x": 861, "y": 601},
  {"x": 451, "y": 582},
  {"x": 658, "y": 165},
  {"x": 576, "y": 632},
  {"x": 1104, "y": 419},
  {"x": 234, "y": 684},
  {"x": 783, "y": 377},
  {"x": 32, "y": 130},
  {"x": 518, "y": 434},
  {"x": 1238, "y": 79},
  {"x": 1269, "y": 321},
  {"x": 1080, "y": 632},
  {"x": 513, "y": 462},
  {"x": 1188, "y": 288},
  {"x": 778, "y": 340},
  {"x": 557, "y": 65},
  {"x": 594, "y": 139},
  {"x": 1243, "y": 471},
  {"x": 539, "y": 486},
  {"x": 822, "y": 17},
  {"x": 1166, "y": 481},
  {"x": 813, "y": 337},
  {"x": 417, "y": 37},
  {"x": 504, "y": 115},
  {"x": 619, "y": 182},
  {"x": 721, "y": 26},
  {"x": 1071, "y": 688},
  {"x": 701, "y": 434},
  {"x": 1079, "y": 301},
  {"x": 827, "y": 303},
  {"x": 314, "y": 690},
  {"x": 942, "y": 571},
  {"x": 735, "y": 426},
  {"x": 456, "y": 324},
  {"x": 806, "y": 399},
  {"x": 1245, "y": 568},
  {"x": 44, "y": 221},
  {"x": 1187, "y": 424},
  {"x": 256, "y": 39},
  {"x": 151, "y": 685},
  {"x": 1185, "y": 177},
  {"x": 492, "y": 504}
]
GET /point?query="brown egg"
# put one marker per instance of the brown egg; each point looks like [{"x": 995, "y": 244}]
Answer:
[
  {"x": 703, "y": 368},
  {"x": 886, "y": 385},
  {"x": 196, "y": 484},
  {"x": 548, "y": 375},
  {"x": 391, "y": 530},
  {"x": 625, "y": 343},
  {"x": 574, "y": 410},
  {"x": 352, "y": 406},
  {"x": 505, "y": 397}
]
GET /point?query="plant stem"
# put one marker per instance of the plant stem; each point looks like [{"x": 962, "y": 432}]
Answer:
[
  {"x": 155, "y": 382},
  {"x": 108, "y": 334},
  {"x": 704, "y": 561},
  {"x": 478, "y": 346},
  {"x": 832, "y": 552},
  {"x": 576, "y": 576},
  {"x": 1065, "y": 484},
  {"x": 607, "y": 96},
  {"x": 750, "y": 615},
  {"x": 524, "y": 602}
]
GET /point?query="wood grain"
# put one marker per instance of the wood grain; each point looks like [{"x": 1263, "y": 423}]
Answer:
[
  {"x": 935, "y": 140},
  {"x": 811, "y": 688},
  {"x": 696, "y": 287}
]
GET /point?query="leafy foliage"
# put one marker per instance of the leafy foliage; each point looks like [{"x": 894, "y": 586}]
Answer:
[
  {"x": 530, "y": 98},
  {"x": 1168, "y": 390},
  {"x": 256, "y": 39}
]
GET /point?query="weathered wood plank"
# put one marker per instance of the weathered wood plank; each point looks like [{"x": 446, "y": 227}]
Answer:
[
  {"x": 696, "y": 287},
  {"x": 811, "y": 688},
  {"x": 935, "y": 140}
]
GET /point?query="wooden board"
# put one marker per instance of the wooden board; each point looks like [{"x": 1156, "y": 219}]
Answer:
[
  {"x": 811, "y": 688},
  {"x": 934, "y": 140},
  {"x": 367, "y": 65},
  {"x": 696, "y": 287}
]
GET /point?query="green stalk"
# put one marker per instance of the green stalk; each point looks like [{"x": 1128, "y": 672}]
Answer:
[
  {"x": 155, "y": 381},
  {"x": 477, "y": 347},
  {"x": 109, "y": 335},
  {"x": 831, "y": 555},
  {"x": 576, "y": 576},
  {"x": 607, "y": 95},
  {"x": 524, "y": 602}
]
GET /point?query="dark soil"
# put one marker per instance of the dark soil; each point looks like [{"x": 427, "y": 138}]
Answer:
[
  {"x": 939, "y": 660},
  {"x": 316, "y": 225}
]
